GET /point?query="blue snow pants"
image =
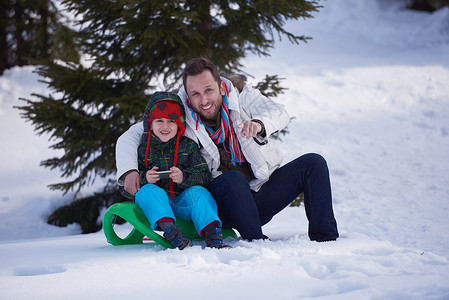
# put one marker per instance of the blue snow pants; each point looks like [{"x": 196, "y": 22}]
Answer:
[{"x": 193, "y": 204}]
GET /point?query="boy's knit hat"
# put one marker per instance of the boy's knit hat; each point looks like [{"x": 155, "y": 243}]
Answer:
[
  {"x": 165, "y": 105},
  {"x": 168, "y": 109}
]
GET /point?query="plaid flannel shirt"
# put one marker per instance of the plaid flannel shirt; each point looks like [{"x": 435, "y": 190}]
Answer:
[{"x": 190, "y": 162}]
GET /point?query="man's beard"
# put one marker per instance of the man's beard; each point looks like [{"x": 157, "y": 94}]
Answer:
[{"x": 214, "y": 119}]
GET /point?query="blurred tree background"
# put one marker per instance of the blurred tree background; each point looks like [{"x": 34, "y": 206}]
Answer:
[
  {"x": 32, "y": 31},
  {"x": 129, "y": 49}
]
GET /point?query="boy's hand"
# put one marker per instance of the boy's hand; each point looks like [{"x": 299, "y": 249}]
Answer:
[
  {"x": 176, "y": 175},
  {"x": 152, "y": 175}
]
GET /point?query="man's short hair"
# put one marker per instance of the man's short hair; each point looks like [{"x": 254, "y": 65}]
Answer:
[{"x": 197, "y": 66}]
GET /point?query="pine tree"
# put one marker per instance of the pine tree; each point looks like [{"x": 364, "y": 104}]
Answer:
[
  {"x": 31, "y": 31},
  {"x": 134, "y": 47}
]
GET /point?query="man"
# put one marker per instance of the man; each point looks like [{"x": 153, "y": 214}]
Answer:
[{"x": 234, "y": 132}]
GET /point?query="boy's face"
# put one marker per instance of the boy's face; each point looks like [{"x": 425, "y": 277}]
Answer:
[
  {"x": 205, "y": 94},
  {"x": 164, "y": 129}
]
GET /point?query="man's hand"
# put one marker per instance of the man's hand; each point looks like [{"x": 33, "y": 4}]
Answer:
[
  {"x": 132, "y": 182},
  {"x": 250, "y": 129}
]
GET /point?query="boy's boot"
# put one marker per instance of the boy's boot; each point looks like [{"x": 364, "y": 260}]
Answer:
[
  {"x": 174, "y": 235},
  {"x": 213, "y": 237}
]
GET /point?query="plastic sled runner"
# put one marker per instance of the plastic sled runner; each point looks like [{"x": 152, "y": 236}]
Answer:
[{"x": 134, "y": 215}]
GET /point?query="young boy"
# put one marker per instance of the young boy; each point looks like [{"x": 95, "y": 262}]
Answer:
[{"x": 183, "y": 193}]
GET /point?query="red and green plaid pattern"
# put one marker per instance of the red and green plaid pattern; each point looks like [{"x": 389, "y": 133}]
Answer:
[{"x": 190, "y": 161}]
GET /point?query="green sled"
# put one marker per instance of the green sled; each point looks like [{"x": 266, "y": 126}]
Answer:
[{"x": 134, "y": 215}]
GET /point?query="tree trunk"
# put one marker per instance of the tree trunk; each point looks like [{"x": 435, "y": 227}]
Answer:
[
  {"x": 18, "y": 35},
  {"x": 4, "y": 50},
  {"x": 45, "y": 42},
  {"x": 204, "y": 28}
]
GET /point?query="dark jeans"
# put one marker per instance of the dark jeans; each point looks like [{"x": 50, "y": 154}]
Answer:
[{"x": 245, "y": 210}]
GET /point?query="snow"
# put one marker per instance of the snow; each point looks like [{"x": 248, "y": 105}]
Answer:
[{"x": 369, "y": 93}]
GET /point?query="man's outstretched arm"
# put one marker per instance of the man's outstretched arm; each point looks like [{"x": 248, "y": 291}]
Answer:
[{"x": 126, "y": 158}]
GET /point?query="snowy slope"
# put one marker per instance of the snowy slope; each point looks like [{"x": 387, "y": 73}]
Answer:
[{"x": 370, "y": 93}]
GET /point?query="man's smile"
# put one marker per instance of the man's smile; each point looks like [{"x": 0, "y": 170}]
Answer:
[{"x": 206, "y": 107}]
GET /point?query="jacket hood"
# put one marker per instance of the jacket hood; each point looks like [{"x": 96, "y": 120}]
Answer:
[{"x": 156, "y": 98}]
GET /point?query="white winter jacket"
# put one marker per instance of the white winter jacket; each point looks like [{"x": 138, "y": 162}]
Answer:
[{"x": 263, "y": 155}]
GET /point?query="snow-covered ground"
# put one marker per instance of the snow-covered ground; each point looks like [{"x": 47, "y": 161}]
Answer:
[{"x": 370, "y": 92}]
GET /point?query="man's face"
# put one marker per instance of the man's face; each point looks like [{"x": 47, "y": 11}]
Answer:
[{"x": 206, "y": 96}]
